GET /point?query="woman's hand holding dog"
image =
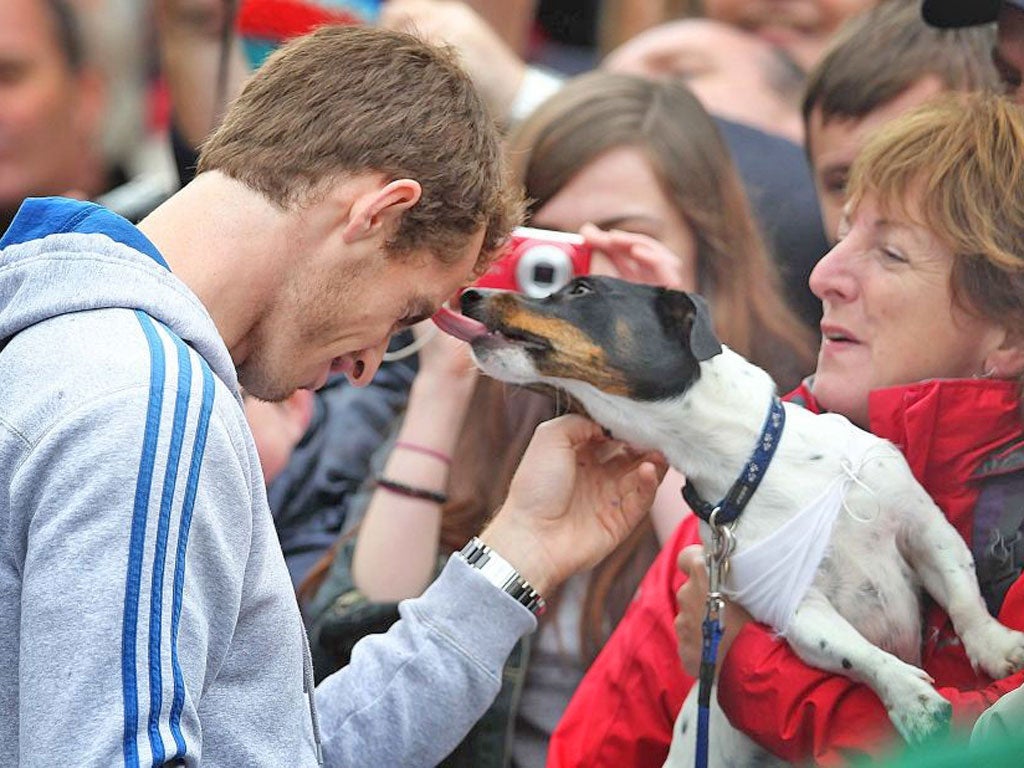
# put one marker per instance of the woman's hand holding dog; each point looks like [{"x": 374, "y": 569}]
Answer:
[
  {"x": 691, "y": 600},
  {"x": 576, "y": 495}
]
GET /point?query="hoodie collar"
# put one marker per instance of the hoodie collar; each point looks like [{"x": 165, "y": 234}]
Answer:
[
  {"x": 42, "y": 216},
  {"x": 64, "y": 256}
]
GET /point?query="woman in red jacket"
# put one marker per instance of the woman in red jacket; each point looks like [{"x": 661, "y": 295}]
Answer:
[{"x": 923, "y": 344}]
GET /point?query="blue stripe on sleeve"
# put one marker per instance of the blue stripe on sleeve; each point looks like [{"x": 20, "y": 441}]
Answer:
[
  {"x": 198, "y": 448},
  {"x": 133, "y": 579},
  {"x": 156, "y": 590}
]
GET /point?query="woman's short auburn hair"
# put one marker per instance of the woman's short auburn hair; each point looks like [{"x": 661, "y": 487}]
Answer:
[{"x": 956, "y": 166}]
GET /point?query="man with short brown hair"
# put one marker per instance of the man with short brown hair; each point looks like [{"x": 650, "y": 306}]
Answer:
[
  {"x": 369, "y": 115},
  {"x": 881, "y": 64},
  {"x": 146, "y": 614}
]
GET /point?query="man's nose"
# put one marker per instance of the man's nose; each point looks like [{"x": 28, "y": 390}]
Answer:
[{"x": 367, "y": 361}]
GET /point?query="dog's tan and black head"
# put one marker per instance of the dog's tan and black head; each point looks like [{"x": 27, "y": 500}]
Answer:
[
  {"x": 635, "y": 341},
  {"x": 621, "y": 349}
]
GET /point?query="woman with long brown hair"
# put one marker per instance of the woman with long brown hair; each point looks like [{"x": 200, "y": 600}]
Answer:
[{"x": 639, "y": 169}]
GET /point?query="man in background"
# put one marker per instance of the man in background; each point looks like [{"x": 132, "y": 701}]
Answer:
[
  {"x": 882, "y": 64},
  {"x": 51, "y": 107}
]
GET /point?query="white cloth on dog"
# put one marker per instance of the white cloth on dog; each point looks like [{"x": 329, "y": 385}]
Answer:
[{"x": 771, "y": 576}]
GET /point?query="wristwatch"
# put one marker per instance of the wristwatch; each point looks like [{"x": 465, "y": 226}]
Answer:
[{"x": 501, "y": 574}]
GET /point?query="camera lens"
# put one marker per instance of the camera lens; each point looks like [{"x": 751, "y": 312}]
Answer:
[
  {"x": 542, "y": 270},
  {"x": 543, "y": 274}
]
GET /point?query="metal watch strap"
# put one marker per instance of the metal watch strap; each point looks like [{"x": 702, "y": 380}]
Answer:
[{"x": 501, "y": 574}]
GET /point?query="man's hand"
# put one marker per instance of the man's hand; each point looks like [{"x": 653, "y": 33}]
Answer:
[
  {"x": 575, "y": 497},
  {"x": 691, "y": 600}
]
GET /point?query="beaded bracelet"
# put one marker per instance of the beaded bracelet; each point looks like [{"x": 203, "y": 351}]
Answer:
[
  {"x": 432, "y": 452},
  {"x": 411, "y": 491}
]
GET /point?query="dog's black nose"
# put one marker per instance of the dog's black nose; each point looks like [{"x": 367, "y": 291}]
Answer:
[{"x": 469, "y": 299}]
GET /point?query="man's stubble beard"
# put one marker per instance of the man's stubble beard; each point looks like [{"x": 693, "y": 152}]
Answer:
[{"x": 268, "y": 371}]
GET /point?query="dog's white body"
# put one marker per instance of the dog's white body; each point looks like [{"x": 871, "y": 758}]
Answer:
[{"x": 861, "y": 611}]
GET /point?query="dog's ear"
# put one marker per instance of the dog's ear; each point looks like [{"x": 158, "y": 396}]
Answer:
[{"x": 687, "y": 315}]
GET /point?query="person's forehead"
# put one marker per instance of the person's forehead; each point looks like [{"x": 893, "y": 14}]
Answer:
[
  {"x": 619, "y": 182},
  {"x": 855, "y": 130},
  {"x": 728, "y": 46},
  {"x": 713, "y": 39},
  {"x": 839, "y": 138},
  {"x": 903, "y": 216},
  {"x": 801, "y": 10},
  {"x": 27, "y": 27},
  {"x": 433, "y": 276}
]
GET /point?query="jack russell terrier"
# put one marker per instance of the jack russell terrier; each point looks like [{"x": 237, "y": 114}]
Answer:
[{"x": 835, "y": 544}]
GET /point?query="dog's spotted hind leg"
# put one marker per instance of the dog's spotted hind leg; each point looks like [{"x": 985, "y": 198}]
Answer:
[{"x": 946, "y": 568}]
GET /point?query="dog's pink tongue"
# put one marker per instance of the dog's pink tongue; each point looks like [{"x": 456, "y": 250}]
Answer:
[{"x": 458, "y": 325}]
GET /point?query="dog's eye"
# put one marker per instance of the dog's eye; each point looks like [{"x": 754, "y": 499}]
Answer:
[{"x": 579, "y": 288}]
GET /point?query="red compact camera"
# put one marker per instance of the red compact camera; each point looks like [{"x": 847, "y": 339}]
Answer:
[{"x": 537, "y": 262}]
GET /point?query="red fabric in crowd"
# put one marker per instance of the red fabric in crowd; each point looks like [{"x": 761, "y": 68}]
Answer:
[{"x": 284, "y": 19}]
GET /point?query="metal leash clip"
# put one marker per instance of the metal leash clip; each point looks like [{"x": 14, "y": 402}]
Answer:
[{"x": 723, "y": 544}]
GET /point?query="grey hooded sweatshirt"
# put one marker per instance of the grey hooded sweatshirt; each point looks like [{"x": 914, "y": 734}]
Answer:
[{"x": 146, "y": 614}]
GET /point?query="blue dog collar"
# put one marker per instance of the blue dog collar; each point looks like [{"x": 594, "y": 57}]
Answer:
[{"x": 730, "y": 508}]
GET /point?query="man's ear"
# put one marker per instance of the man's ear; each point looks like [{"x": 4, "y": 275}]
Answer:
[{"x": 381, "y": 207}]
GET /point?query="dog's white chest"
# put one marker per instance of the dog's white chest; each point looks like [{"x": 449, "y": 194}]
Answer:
[{"x": 771, "y": 576}]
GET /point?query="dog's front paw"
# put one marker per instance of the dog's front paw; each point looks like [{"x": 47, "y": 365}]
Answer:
[
  {"x": 995, "y": 649},
  {"x": 914, "y": 706}
]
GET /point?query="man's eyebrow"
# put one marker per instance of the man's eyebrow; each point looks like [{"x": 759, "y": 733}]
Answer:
[
  {"x": 418, "y": 310},
  {"x": 841, "y": 166},
  {"x": 615, "y": 222}
]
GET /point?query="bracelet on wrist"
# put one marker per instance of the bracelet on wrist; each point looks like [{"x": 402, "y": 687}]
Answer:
[
  {"x": 425, "y": 451},
  {"x": 410, "y": 491}
]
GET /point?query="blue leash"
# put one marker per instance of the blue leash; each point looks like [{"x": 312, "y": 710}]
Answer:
[
  {"x": 721, "y": 518},
  {"x": 712, "y": 631},
  {"x": 722, "y": 546}
]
